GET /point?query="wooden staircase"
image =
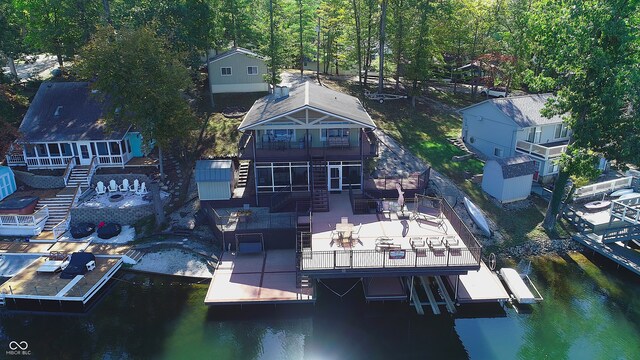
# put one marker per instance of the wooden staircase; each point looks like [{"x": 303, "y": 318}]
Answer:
[
  {"x": 59, "y": 207},
  {"x": 320, "y": 194},
  {"x": 79, "y": 177},
  {"x": 243, "y": 173},
  {"x": 303, "y": 242}
]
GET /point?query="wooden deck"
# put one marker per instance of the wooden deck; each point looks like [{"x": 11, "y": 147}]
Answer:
[
  {"x": 328, "y": 254},
  {"x": 268, "y": 277},
  {"x": 621, "y": 255},
  {"x": 31, "y": 284}
]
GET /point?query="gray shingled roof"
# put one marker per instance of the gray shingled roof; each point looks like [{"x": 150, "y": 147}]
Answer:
[
  {"x": 79, "y": 115},
  {"x": 525, "y": 110},
  {"x": 213, "y": 170},
  {"x": 516, "y": 166},
  {"x": 233, "y": 51},
  {"x": 312, "y": 96}
]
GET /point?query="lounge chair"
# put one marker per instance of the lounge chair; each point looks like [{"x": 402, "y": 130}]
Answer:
[
  {"x": 113, "y": 187},
  {"x": 136, "y": 185},
  {"x": 100, "y": 189},
  {"x": 344, "y": 220},
  {"x": 125, "y": 185},
  {"x": 436, "y": 244},
  {"x": 143, "y": 189},
  {"x": 427, "y": 213}
]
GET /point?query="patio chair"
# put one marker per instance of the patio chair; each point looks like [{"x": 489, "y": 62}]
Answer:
[
  {"x": 113, "y": 187},
  {"x": 100, "y": 189},
  {"x": 143, "y": 189},
  {"x": 125, "y": 185},
  {"x": 344, "y": 220},
  {"x": 355, "y": 234},
  {"x": 136, "y": 185}
]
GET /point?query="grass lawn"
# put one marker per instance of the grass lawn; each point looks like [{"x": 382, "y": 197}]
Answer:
[
  {"x": 424, "y": 130},
  {"x": 222, "y": 133}
]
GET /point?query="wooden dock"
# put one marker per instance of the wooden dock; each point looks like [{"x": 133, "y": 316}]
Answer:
[{"x": 621, "y": 255}]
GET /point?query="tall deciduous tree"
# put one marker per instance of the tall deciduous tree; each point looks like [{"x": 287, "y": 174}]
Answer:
[
  {"x": 596, "y": 52},
  {"x": 60, "y": 27},
  {"x": 141, "y": 81}
]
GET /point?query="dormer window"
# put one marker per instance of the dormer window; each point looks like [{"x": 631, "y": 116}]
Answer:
[{"x": 58, "y": 111}]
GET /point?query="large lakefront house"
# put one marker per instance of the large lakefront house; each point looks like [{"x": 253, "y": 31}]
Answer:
[
  {"x": 321, "y": 217},
  {"x": 507, "y": 127},
  {"x": 307, "y": 138},
  {"x": 65, "y": 122}
]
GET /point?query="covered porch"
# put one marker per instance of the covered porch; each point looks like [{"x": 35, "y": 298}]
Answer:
[{"x": 56, "y": 155}]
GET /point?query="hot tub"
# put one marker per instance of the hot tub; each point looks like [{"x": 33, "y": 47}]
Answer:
[{"x": 19, "y": 206}]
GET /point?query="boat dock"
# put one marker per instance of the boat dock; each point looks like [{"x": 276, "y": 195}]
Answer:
[
  {"x": 31, "y": 289},
  {"x": 263, "y": 278},
  {"x": 479, "y": 286},
  {"x": 35, "y": 290},
  {"x": 621, "y": 255}
]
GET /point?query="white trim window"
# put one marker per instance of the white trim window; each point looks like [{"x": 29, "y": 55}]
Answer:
[
  {"x": 553, "y": 168},
  {"x": 561, "y": 131},
  {"x": 225, "y": 71},
  {"x": 252, "y": 70}
]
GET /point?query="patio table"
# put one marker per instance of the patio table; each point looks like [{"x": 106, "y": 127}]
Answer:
[{"x": 344, "y": 231}]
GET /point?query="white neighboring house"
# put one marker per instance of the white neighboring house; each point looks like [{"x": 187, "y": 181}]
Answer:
[
  {"x": 237, "y": 71},
  {"x": 507, "y": 127}
]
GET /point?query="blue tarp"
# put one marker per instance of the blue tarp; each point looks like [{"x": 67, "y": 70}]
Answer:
[{"x": 77, "y": 265}]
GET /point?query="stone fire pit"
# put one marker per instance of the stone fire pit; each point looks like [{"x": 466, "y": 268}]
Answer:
[{"x": 115, "y": 198}]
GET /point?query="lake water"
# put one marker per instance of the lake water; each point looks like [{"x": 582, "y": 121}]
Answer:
[{"x": 590, "y": 311}]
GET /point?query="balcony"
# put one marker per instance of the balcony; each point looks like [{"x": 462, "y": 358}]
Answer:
[
  {"x": 542, "y": 151},
  {"x": 334, "y": 148}
]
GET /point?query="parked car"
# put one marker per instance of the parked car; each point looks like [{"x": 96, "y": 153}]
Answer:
[{"x": 494, "y": 92}]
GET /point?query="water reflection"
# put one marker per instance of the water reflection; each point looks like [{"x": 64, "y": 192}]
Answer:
[{"x": 588, "y": 312}]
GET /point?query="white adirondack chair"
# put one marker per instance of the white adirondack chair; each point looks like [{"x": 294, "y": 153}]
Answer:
[
  {"x": 100, "y": 189},
  {"x": 142, "y": 190},
  {"x": 125, "y": 185},
  {"x": 113, "y": 187},
  {"x": 136, "y": 185}
]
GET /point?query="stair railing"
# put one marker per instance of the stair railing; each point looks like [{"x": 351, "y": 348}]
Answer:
[
  {"x": 67, "y": 171},
  {"x": 93, "y": 166}
]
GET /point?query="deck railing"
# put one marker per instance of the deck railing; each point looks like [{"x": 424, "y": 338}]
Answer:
[
  {"x": 35, "y": 219},
  {"x": 627, "y": 210},
  {"x": 15, "y": 159},
  {"x": 603, "y": 187},
  {"x": 93, "y": 166},
  {"x": 389, "y": 259},
  {"x": 111, "y": 160},
  {"x": 540, "y": 150},
  {"x": 462, "y": 230},
  {"x": 48, "y": 162}
]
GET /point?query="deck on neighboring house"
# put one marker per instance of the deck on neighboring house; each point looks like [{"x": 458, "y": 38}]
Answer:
[{"x": 621, "y": 255}]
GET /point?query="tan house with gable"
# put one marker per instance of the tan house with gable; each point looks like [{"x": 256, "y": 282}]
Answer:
[{"x": 237, "y": 71}]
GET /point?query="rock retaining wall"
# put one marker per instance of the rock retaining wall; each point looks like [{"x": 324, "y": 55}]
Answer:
[
  {"x": 39, "y": 181},
  {"x": 125, "y": 216}
]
